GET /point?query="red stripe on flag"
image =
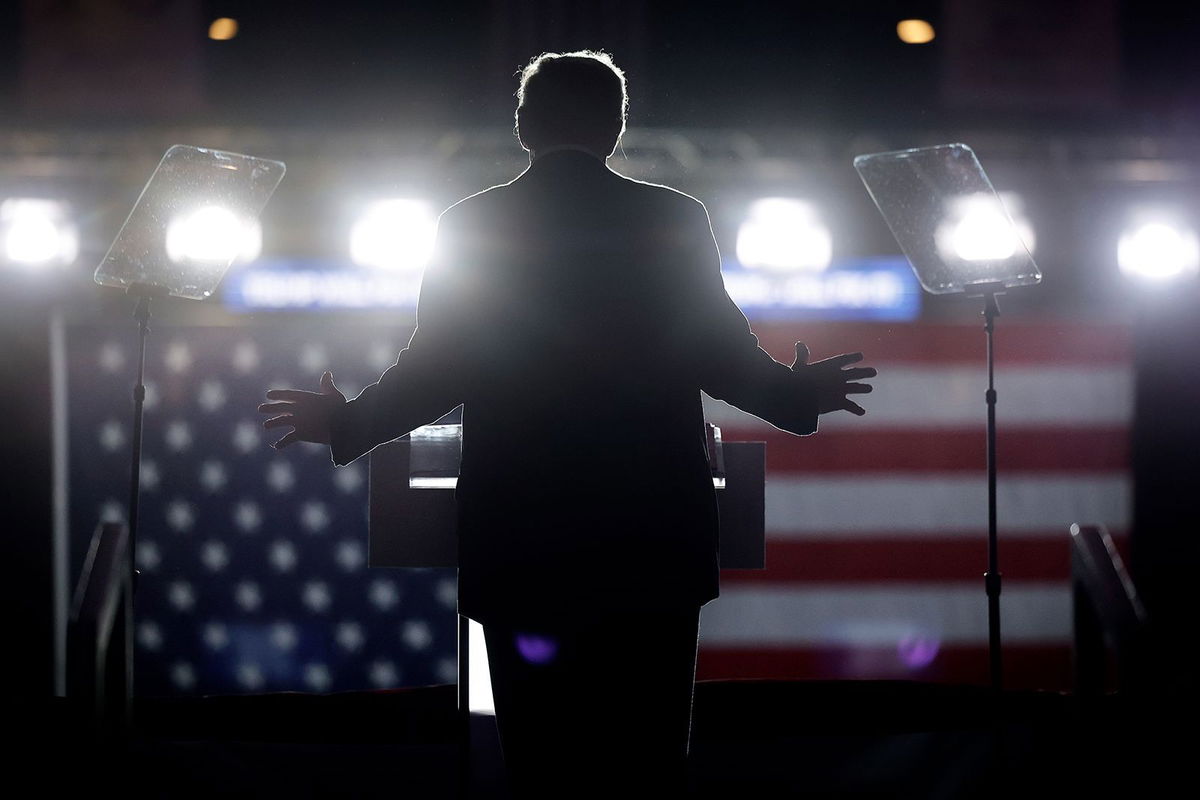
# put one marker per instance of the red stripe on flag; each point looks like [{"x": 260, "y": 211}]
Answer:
[
  {"x": 1021, "y": 449},
  {"x": 1036, "y": 666},
  {"x": 877, "y": 559},
  {"x": 1060, "y": 343},
  {"x": 883, "y": 559}
]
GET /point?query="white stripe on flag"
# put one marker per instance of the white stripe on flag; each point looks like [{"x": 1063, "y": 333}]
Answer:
[
  {"x": 843, "y": 507},
  {"x": 866, "y": 617},
  {"x": 952, "y": 397}
]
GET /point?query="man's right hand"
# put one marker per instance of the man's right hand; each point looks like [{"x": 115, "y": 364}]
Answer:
[
  {"x": 308, "y": 413},
  {"x": 833, "y": 384}
]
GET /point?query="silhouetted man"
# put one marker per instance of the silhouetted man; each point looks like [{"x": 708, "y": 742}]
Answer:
[{"x": 577, "y": 315}]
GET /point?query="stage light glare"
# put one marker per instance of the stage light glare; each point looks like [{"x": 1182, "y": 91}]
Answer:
[
  {"x": 37, "y": 232},
  {"x": 223, "y": 29},
  {"x": 479, "y": 684},
  {"x": 979, "y": 228},
  {"x": 914, "y": 31},
  {"x": 213, "y": 234},
  {"x": 1158, "y": 251},
  {"x": 784, "y": 234},
  {"x": 396, "y": 234}
]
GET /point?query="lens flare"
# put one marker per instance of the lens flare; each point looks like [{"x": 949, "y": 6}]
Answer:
[
  {"x": 917, "y": 652},
  {"x": 536, "y": 649}
]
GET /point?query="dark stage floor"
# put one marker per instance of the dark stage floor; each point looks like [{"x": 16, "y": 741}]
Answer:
[{"x": 750, "y": 739}]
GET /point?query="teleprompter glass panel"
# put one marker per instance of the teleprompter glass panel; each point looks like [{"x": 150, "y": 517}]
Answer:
[
  {"x": 198, "y": 212},
  {"x": 947, "y": 218}
]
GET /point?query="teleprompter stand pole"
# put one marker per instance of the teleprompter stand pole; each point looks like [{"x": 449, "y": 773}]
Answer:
[
  {"x": 144, "y": 293},
  {"x": 991, "y": 578}
]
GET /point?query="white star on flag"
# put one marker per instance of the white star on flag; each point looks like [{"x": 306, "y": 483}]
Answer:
[
  {"x": 381, "y": 355},
  {"x": 111, "y": 511},
  {"x": 247, "y": 595},
  {"x": 280, "y": 476},
  {"x": 112, "y": 357},
  {"x": 216, "y": 636},
  {"x": 149, "y": 635},
  {"x": 178, "y": 358},
  {"x": 246, "y": 436},
  {"x": 250, "y": 676},
  {"x": 148, "y": 555},
  {"x": 181, "y": 595},
  {"x": 317, "y": 676},
  {"x": 178, "y": 436},
  {"x": 383, "y": 594},
  {"x": 415, "y": 634},
  {"x": 313, "y": 358},
  {"x": 383, "y": 674},
  {"x": 183, "y": 675},
  {"x": 447, "y": 592},
  {"x": 284, "y": 636},
  {"x": 316, "y": 596},
  {"x": 348, "y": 479},
  {"x": 245, "y": 357},
  {"x": 211, "y": 396},
  {"x": 214, "y": 555},
  {"x": 314, "y": 516},
  {"x": 180, "y": 515},
  {"x": 112, "y": 435},
  {"x": 282, "y": 555},
  {"x": 447, "y": 670},
  {"x": 349, "y": 555},
  {"x": 349, "y": 636},
  {"x": 247, "y": 516},
  {"x": 148, "y": 476},
  {"x": 213, "y": 475}
]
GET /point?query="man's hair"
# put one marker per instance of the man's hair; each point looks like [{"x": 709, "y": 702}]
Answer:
[{"x": 572, "y": 98}]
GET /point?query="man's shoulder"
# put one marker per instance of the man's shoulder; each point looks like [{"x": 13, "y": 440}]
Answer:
[
  {"x": 658, "y": 193},
  {"x": 480, "y": 202}
]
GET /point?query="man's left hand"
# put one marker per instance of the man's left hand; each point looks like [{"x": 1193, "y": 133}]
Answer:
[{"x": 832, "y": 383}]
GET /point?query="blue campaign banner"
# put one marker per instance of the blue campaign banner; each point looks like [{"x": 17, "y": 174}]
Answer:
[
  {"x": 309, "y": 285},
  {"x": 882, "y": 288}
]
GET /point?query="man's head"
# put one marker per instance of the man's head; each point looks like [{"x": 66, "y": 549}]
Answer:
[{"x": 572, "y": 99}]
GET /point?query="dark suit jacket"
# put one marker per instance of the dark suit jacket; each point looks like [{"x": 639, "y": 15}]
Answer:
[{"x": 577, "y": 315}]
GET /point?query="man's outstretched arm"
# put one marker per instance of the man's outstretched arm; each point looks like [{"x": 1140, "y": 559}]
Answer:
[
  {"x": 425, "y": 382},
  {"x": 735, "y": 369}
]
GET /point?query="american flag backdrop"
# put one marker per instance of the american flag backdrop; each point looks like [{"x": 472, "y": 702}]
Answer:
[
  {"x": 877, "y": 526},
  {"x": 253, "y": 562}
]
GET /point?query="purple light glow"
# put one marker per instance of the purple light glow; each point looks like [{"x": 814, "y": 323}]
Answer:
[
  {"x": 918, "y": 652},
  {"x": 536, "y": 649}
]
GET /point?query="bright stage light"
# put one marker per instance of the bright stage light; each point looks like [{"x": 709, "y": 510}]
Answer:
[
  {"x": 784, "y": 234},
  {"x": 394, "y": 234},
  {"x": 213, "y": 234},
  {"x": 37, "y": 232},
  {"x": 914, "y": 31},
  {"x": 1158, "y": 250},
  {"x": 977, "y": 228},
  {"x": 223, "y": 29}
]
